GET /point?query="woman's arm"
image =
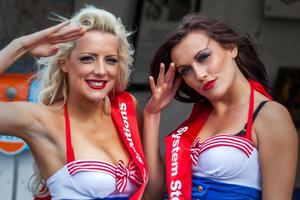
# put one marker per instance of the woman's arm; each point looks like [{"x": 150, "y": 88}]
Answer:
[
  {"x": 20, "y": 117},
  {"x": 162, "y": 94},
  {"x": 278, "y": 147},
  {"x": 17, "y": 118},
  {"x": 41, "y": 43}
]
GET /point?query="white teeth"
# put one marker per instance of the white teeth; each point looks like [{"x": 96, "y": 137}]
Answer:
[{"x": 96, "y": 83}]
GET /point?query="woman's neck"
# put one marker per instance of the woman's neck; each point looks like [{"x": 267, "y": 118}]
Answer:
[
  {"x": 84, "y": 108},
  {"x": 238, "y": 94}
]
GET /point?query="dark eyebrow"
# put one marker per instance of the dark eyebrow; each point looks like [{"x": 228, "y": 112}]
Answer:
[
  {"x": 199, "y": 52},
  {"x": 195, "y": 57},
  {"x": 94, "y": 54},
  {"x": 113, "y": 55},
  {"x": 87, "y": 54}
]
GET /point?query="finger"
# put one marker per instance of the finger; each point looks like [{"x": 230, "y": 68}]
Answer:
[
  {"x": 72, "y": 35},
  {"x": 67, "y": 32},
  {"x": 161, "y": 75},
  {"x": 67, "y": 38},
  {"x": 152, "y": 84},
  {"x": 170, "y": 73},
  {"x": 58, "y": 26},
  {"x": 81, "y": 31},
  {"x": 53, "y": 50}
]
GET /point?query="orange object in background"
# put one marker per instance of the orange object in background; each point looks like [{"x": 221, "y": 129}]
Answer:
[
  {"x": 13, "y": 87},
  {"x": 11, "y": 147}
]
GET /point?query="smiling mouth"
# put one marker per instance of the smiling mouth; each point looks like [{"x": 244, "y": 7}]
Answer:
[
  {"x": 96, "y": 84},
  {"x": 209, "y": 85}
]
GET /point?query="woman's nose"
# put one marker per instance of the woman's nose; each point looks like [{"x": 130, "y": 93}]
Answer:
[
  {"x": 100, "y": 68},
  {"x": 200, "y": 73}
]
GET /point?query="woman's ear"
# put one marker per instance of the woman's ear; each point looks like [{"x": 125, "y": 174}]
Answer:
[
  {"x": 63, "y": 65},
  {"x": 233, "y": 51}
]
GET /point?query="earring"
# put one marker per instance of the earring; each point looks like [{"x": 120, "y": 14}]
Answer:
[{"x": 106, "y": 105}]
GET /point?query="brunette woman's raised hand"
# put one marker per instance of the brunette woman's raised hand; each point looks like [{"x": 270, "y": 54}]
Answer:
[{"x": 164, "y": 90}]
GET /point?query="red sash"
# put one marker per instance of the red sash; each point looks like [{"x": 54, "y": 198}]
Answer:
[
  {"x": 124, "y": 117},
  {"x": 178, "y": 145}
]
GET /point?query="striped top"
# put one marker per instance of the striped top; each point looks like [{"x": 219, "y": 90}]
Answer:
[
  {"x": 238, "y": 142},
  {"x": 225, "y": 158},
  {"x": 119, "y": 172},
  {"x": 92, "y": 179}
]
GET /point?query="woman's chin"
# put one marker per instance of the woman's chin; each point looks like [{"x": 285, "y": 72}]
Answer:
[{"x": 96, "y": 98}]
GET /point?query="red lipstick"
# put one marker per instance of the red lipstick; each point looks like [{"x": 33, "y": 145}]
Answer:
[
  {"x": 96, "y": 84},
  {"x": 209, "y": 85}
]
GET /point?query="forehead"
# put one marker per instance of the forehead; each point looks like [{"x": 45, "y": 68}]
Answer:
[
  {"x": 190, "y": 45},
  {"x": 97, "y": 41}
]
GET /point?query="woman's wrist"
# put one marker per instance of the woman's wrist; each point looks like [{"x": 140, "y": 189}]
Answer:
[
  {"x": 19, "y": 47},
  {"x": 14, "y": 50},
  {"x": 150, "y": 113},
  {"x": 25, "y": 43}
]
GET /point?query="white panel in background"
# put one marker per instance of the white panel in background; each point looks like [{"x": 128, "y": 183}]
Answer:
[
  {"x": 6, "y": 176},
  {"x": 24, "y": 171}
]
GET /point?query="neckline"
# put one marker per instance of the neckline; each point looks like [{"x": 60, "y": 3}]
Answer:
[
  {"x": 100, "y": 161},
  {"x": 69, "y": 148},
  {"x": 248, "y": 126}
]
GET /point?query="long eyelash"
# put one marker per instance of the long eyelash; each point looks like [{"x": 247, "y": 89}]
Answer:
[
  {"x": 112, "y": 60},
  {"x": 203, "y": 57},
  {"x": 86, "y": 59},
  {"x": 183, "y": 71}
]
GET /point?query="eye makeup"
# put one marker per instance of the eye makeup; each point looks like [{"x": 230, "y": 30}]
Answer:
[
  {"x": 111, "y": 60},
  {"x": 87, "y": 59},
  {"x": 202, "y": 55}
]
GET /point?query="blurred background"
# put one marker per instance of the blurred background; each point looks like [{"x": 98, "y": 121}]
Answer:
[{"x": 273, "y": 24}]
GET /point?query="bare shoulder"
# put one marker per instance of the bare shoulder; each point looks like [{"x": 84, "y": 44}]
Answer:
[
  {"x": 274, "y": 122},
  {"x": 138, "y": 110},
  {"x": 274, "y": 112},
  {"x": 277, "y": 147},
  {"x": 133, "y": 98},
  {"x": 135, "y": 101}
]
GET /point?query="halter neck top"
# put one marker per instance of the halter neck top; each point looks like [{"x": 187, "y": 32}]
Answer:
[
  {"x": 92, "y": 179},
  {"x": 228, "y": 159}
]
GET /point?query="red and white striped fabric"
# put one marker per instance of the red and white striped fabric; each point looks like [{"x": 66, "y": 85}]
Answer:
[
  {"x": 117, "y": 178},
  {"x": 221, "y": 140},
  {"x": 119, "y": 172}
]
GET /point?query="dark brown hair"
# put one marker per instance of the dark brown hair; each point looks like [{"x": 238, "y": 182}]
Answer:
[{"x": 247, "y": 59}]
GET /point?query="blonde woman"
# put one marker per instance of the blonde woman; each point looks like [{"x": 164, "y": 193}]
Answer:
[{"x": 84, "y": 134}]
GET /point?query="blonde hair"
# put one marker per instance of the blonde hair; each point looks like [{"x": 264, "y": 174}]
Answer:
[{"x": 55, "y": 82}]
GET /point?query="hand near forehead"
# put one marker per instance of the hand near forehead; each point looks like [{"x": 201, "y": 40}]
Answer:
[
  {"x": 164, "y": 90},
  {"x": 45, "y": 42},
  {"x": 41, "y": 43}
]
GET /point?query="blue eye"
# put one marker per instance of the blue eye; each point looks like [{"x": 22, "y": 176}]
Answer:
[
  {"x": 202, "y": 57},
  {"x": 183, "y": 71},
  {"x": 87, "y": 59},
  {"x": 111, "y": 60}
]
